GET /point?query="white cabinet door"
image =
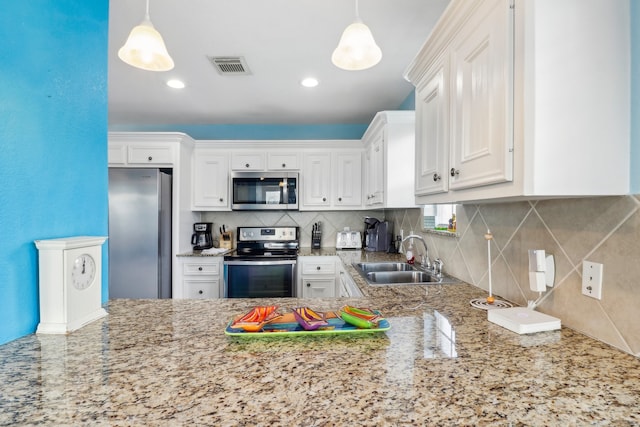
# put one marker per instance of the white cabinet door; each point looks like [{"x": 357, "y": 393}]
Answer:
[
  {"x": 142, "y": 154},
  {"x": 482, "y": 102},
  {"x": 347, "y": 177},
  {"x": 210, "y": 181},
  {"x": 316, "y": 180},
  {"x": 390, "y": 159},
  {"x": 432, "y": 131},
  {"x": 375, "y": 171},
  {"x": 248, "y": 161},
  {"x": 283, "y": 161},
  {"x": 117, "y": 154}
]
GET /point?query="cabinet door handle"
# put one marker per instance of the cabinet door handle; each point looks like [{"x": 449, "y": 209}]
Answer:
[
  {"x": 200, "y": 291},
  {"x": 318, "y": 268},
  {"x": 455, "y": 172},
  {"x": 308, "y": 285},
  {"x": 339, "y": 199},
  {"x": 149, "y": 158},
  {"x": 436, "y": 177},
  {"x": 284, "y": 165},
  {"x": 246, "y": 165},
  {"x": 324, "y": 199},
  {"x": 221, "y": 200},
  {"x": 199, "y": 268}
]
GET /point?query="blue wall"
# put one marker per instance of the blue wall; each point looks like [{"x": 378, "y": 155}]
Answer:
[
  {"x": 256, "y": 132},
  {"x": 635, "y": 96},
  {"x": 53, "y": 140},
  {"x": 267, "y": 132}
]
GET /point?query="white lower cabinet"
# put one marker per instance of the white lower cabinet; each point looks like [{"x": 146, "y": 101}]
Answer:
[
  {"x": 317, "y": 276},
  {"x": 201, "y": 277},
  {"x": 346, "y": 286}
]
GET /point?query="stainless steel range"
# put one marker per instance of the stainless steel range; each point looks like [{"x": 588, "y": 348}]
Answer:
[{"x": 263, "y": 264}]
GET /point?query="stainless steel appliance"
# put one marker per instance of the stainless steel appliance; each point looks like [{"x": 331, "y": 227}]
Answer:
[
  {"x": 264, "y": 190},
  {"x": 139, "y": 233},
  {"x": 202, "y": 237},
  {"x": 377, "y": 235},
  {"x": 348, "y": 240},
  {"x": 263, "y": 264}
]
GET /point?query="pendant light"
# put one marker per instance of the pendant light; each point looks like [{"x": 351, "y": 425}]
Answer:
[
  {"x": 145, "y": 48},
  {"x": 357, "y": 49}
]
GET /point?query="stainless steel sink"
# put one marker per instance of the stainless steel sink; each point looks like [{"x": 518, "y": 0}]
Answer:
[
  {"x": 398, "y": 273},
  {"x": 367, "y": 267}
]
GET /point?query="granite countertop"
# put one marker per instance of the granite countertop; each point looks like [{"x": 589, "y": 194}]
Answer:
[
  {"x": 205, "y": 253},
  {"x": 168, "y": 362}
]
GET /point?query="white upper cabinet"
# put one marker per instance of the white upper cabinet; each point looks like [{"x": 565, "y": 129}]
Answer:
[
  {"x": 210, "y": 180},
  {"x": 510, "y": 104},
  {"x": 481, "y": 74},
  {"x": 432, "y": 129},
  {"x": 316, "y": 180},
  {"x": 389, "y": 178},
  {"x": 283, "y": 161},
  {"x": 347, "y": 185},
  {"x": 332, "y": 180},
  {"x": 269, "y": 159},
  {"x": 252, "y": 161}
]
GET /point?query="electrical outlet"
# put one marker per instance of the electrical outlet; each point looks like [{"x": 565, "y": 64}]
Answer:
[{"x": 592, "y": 279}]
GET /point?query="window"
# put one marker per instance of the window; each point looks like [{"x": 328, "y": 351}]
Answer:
[{"x": 439, "y": 218}]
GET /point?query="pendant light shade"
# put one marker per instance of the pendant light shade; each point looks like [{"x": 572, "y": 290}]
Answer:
[
  {"x": 145, "y": 48},
  {"x": 357, "y": 49}
]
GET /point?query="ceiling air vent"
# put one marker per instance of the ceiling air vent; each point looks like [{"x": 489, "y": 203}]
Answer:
[{"x": 230, "y": 65}]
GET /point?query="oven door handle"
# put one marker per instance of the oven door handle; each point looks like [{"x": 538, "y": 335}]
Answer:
[{"x": 273, "y": 262}]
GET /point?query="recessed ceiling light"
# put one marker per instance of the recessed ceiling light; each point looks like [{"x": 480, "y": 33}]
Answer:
[
  {"x": 309, "y": 82},
  {"x": 175, "y": 83}
]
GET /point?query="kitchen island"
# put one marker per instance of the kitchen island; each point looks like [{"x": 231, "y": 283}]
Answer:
[{"x": 168, "y": 362}]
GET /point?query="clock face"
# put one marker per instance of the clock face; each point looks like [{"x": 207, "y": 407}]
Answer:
[{"x": 83, "y": 271}]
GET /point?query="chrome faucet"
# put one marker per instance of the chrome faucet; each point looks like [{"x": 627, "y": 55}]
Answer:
[
  {"x": 437, "y": 267},
  {"x": 424, "y": 258}
]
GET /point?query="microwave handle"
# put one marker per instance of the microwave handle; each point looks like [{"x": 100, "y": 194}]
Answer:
[{"x": 285, "y": 191}]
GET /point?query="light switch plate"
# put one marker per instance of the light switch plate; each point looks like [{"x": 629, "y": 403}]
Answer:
[{"x": 592, "y": 279}]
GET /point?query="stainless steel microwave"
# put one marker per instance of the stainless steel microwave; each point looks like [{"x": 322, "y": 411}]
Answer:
[{"x": 256, "y": 191}]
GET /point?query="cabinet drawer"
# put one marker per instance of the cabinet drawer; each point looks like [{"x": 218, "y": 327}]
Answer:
[
  {"x": 318, "y": 267},
  {"x": 200, "y": 268},
  {"x": 313, "y": 287},
  {"x": 201, "y": 289},
  {"x": 151, "y": 155}
]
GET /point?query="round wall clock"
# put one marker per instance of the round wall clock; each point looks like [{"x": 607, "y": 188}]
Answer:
[{"x": 70, "y": 285}]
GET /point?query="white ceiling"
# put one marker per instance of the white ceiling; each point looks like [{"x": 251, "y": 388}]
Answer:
[{"x": 282, "y": 41}]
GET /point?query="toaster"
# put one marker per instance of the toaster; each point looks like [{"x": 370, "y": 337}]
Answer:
[{"x": 348, "y": 240}]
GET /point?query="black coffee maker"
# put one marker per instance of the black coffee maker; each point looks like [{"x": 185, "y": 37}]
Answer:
[
  {"x": 202, "y": 237},
  {"x": 377, "y": 235}
]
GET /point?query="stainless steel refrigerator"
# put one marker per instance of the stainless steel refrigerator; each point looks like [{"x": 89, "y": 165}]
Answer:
[{"x": 139, "y": 233}]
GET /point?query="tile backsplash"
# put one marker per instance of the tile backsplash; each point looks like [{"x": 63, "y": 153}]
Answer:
[
  {"x": 601, "y": 229},
  {"x": 332, "y": 221}
]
